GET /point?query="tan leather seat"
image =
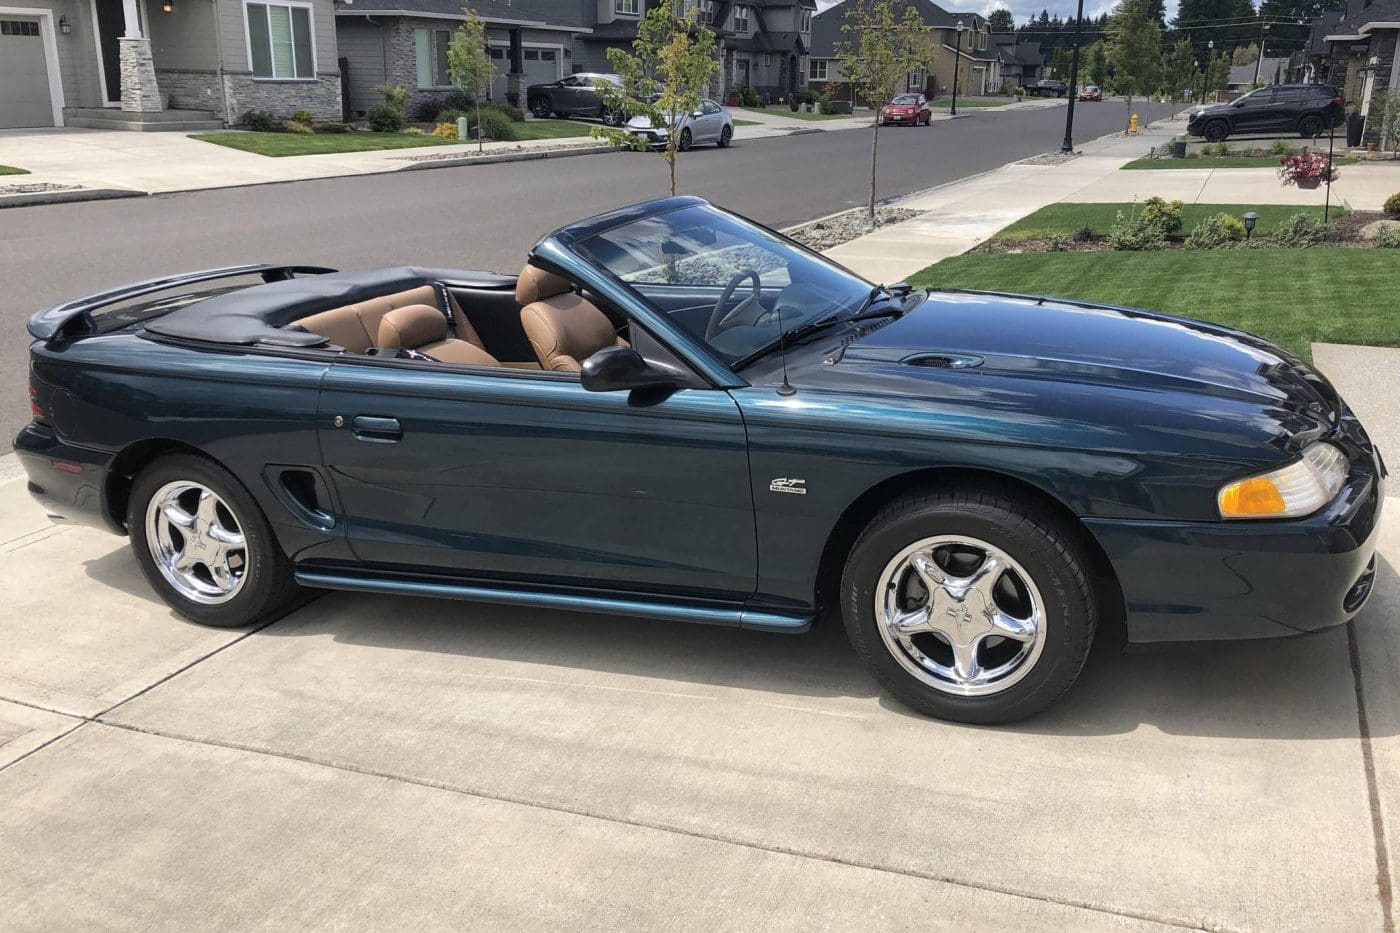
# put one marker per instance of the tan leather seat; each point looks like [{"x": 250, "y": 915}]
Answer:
[
  {"x": 424, "y": 329},
  {"x": 356, "y": 327},
  {"x": 563, "y": 328}
]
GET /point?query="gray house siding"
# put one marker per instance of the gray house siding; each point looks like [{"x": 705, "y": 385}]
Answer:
[
  {"x": 77, "y": 58},
  {"x": 362, "y": 44}
]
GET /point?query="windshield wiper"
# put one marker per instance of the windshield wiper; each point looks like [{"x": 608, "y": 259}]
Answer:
[{"x": 864, "y": 313}]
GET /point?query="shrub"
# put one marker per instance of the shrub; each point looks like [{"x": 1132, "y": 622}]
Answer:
[
  {"x": 1221, "y": 149},
  {"x": 449, "y": 115},
  {"x": 1057, "y": 243},
  {"x": 383, "y": 118},
  {"x": 1134, "y": 233},
  {"x": 1213, "y": 233},
  {"x": 1084, "y": 234},
  {"x": 395, "y": 96},
  {"x": 301, "y": 116},
  {"x": 457, "y": 99},
  {"x": 1166, "y": 214},
  {"x": 1389, "y": 238},
  {"x": 259, "y": 121},
  {"x": 494, "y": 125},
  {"x": 335, "y": 126},
  {"x": 513, "y": 99},
  {"x": 427, "y": 110},
  {"x": 1233, "y": 225},
  {"x": 446, "y": 130},
  {"x": 413, "y": 131},
  {"x": 513, "y": 114},
  {"x": 1392, "y": 205},
  {"x": 296, "y": 126},
  {"x": 1281, "y": 148},
  {"x": 1299, "y": 232}
]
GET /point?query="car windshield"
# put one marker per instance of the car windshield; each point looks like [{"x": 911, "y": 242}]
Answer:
[
  {"x": 906, "y": 99},
  {"x": 681, "y": 263}
]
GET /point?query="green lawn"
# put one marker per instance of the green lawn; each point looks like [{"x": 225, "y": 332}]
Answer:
[
  {"x": 1064, "y": 218},
  {"x": 295, "y": 144},
  {"x": 1293, "y": 297},
  {"x": 549, "y": 129},
  {"x": 11, "y": 170},
  {"x": 946, "y": 103},
  {"x": 777, "y": 111},
  {"x": 1268, "y": 161},
  {"x": 747, "y": 123}
]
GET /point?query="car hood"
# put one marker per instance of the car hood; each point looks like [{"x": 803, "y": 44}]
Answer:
[
  {"x": 1068, "y": 348},
  {"x": 1210, "y": 110}
]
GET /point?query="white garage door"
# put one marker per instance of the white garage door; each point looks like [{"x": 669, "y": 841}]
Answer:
[
  {"x": 24, "y": 73},
  {"x": 541, "y": 67}
]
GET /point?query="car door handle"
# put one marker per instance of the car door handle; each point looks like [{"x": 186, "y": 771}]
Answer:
[{"x": 376, "y": 430}]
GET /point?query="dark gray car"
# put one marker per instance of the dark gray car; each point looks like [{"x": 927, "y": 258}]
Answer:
[
  {"x": 1306, "y": 109},
  {"x": 573, "y": 96}
]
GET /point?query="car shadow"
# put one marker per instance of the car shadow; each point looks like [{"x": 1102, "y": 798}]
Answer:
[{"x": 1288, "y": 689}]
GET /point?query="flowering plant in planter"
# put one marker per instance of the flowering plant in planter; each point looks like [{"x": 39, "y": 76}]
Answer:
[{"x": 1307, "y": 169}]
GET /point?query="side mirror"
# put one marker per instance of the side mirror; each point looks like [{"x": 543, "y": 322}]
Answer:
[
  {"x": 697, "y": 113},
  {"x": 614, "y": 369}
]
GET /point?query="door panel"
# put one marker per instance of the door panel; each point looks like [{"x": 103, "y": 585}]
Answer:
[{"x": 506, "y": 476}]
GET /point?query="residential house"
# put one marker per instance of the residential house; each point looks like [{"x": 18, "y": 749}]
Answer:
[
  {"x": 1268, "y": 71},
  {"x": 1312, "y": 59},
  {"x": 970, "y": 51},
  {"x": 165, "y": 64},
  {"x": 1361, "y": 58},
  {"x": 405, "y": 42},
  {"x": 1022, "y": 63}
]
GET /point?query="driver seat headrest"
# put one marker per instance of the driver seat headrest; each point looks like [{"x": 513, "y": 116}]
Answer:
[{"x": 535, "y": 284}]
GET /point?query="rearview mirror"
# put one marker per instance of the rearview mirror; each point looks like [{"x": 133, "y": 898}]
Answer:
[{"x": 614, "y": 369}]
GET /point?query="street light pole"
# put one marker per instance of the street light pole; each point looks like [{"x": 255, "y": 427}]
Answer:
[
  {"x": 1210, "y": 57},
  {"x": 957, "y": 65},
  {"x": 1258, "y": 62},
  {"x": 1068, "y": 144}
]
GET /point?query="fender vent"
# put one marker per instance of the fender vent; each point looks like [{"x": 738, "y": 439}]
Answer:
[{"x": 943, "y": 360}]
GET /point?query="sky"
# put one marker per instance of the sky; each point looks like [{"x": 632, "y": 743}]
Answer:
[{"x": 1022, "y": 10}]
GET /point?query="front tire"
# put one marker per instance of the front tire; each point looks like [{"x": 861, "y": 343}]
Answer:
[
  {"x": 205, "y": 546},
  {"x": 725, "y": 135},
  {"x": 970, "y": 605},
  {"x": 611, "y": 117},
  {"x": 1310, "y": 126},
  {"x": 539, "y": 108},
  {"x": 685, "y": 141},
  {"x": 1216, "y": 130}
]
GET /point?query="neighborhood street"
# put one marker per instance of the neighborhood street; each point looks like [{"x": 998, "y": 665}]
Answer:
[{"x": 480, "y": 216}]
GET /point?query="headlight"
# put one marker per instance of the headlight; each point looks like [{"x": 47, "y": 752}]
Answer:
[{"x": 1300, "y": 488}]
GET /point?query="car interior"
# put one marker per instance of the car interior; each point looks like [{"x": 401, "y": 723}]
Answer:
[{"x": 546, "y": 324}]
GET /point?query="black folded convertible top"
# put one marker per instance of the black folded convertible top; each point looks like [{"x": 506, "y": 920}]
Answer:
[{"x": 259, "y": 314}]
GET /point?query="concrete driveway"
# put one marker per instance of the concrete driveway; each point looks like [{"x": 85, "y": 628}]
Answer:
[{"x": 375, "y": 763}]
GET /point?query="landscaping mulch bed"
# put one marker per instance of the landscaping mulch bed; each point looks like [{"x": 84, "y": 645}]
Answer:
[
  {"x": 842, "y": 228},
  {"x": 1050, "y": 158},
  {"x": 37, "y": 188},
  {"x": 500, "y": 150}
]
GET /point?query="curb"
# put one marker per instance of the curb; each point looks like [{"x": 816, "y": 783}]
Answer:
[
  {"x": 505, "y": 157},
  {"x": 62, "y": 197}
]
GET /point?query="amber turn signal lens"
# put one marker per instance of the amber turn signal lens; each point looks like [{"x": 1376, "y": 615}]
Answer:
[{"x": 1255, "y": 496}]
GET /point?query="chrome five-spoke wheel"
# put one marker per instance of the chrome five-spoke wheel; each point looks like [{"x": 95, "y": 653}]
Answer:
[
  {"x": 961, "y": 615},
  {"x": 196, "y": 542}
]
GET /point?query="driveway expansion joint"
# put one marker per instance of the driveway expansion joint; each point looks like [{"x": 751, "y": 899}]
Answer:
[{"x": 1368, "y": 762}]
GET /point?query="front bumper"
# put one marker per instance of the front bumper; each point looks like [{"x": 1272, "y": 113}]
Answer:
[
  {"x": 69, "y": 482},
  {"x": 653, "y": 138},
  {"x": 1209, "y": 581}
]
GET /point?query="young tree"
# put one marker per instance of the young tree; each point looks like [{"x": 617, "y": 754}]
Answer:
[
  {"x": 1245, "y": 54},
  {"x": 665, "y": 76},
  {"x": 1386, "y": 110},
  {"x": 1135, "y": 48},
  {"x": 999, "y": 20},
  {"x": 1096, "y": 64},
  {"x": 1179, "y": 72},
  {"x": 879, "y": 50},
  {"x": 469, "y": 64},
  {"x": 1218, "y": 72}
]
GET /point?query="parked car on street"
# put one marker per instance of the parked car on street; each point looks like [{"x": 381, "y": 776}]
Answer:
[
  {"x": 674, "y": 412},
  {"x": 907, "y": 109},
  {"x": 1306, "y": 109},
  {"x": 1047, "y": 87},
  {"x": 573, "y": 96},
  {"x": 709, "y": 123},
  {"x": 1091, "y": 92}
]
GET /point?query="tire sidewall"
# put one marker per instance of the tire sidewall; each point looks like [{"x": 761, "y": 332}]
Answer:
[
  {"x": 686, "y": 140},
  {"x": 268, "y": 576},
  {"x": 1057, "y": 572}
]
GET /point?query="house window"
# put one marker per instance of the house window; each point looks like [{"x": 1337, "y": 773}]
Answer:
[
  {"x": 18, "y": 27},
  {"x": 816, "y": 69},
  {"x": 627, "y": 7},
  {"x": 806, "y": 22},
  {"x": 280, "y": 42},
  {"x": 707, "y": 12},
  {"x": 741, "y": 19},
  {"x": 767, "y": 61},
  {"x": 430, "y": 54}
]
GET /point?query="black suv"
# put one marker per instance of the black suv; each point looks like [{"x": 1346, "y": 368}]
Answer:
[
  {"x": 1047, "y": 87},
  {"x": 573, "y": 96},
  {"x": 1306, "y": 109}
]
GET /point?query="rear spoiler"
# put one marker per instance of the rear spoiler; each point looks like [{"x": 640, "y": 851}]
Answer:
[{"x": 75, "y": 315}]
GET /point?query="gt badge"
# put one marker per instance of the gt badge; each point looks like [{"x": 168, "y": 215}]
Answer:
[{"x": 788, "y": 484}]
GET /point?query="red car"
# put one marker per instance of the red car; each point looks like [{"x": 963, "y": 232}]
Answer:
[
  {"x": 912, "y": 109},
  {"x": 1091, "y": 92}
]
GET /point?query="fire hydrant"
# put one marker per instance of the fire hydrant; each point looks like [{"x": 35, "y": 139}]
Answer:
[{"x": 1133, "y": 125}]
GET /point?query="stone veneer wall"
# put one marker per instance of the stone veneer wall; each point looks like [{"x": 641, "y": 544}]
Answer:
[
  {"x": 1383, "y": 47},
  {"x": 191, "y": 90},
  {"x": 279, "y": 98},
  {"x": 139, "y": 91}
]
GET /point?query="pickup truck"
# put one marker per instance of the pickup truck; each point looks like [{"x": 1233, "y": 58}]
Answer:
[{"x": 1046, "y": 87}]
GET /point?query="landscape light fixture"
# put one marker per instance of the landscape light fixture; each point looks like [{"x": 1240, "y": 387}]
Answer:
[
  {"x": 1250, "y": 218},
  {"x": 168, "y": 6}
]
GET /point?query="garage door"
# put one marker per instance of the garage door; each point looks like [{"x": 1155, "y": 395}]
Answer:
[
  {"x": 24, "y": 73},
  {"x": 541, "y": 67}
]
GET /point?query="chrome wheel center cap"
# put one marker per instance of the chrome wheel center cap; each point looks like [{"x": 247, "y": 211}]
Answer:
[{"x": 965, "y": 615}]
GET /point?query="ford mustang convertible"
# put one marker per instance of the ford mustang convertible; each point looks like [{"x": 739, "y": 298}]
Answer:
[{"x": 672, "y": 412}]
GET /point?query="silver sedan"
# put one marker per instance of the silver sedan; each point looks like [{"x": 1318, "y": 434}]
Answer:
[{"x": 708, "y": 123}]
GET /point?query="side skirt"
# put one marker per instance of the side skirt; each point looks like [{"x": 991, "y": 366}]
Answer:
[{"x": 608, "y": 605}]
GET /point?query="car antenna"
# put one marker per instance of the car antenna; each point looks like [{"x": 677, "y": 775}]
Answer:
[{"x": 786, "y": 388}]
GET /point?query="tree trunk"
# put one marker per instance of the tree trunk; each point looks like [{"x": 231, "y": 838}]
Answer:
[
  {"x": 480, "y": 145},
  {"x": 874, "y": 152}
]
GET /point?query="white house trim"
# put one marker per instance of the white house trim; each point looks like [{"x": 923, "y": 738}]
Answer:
[
  {"x": 457, "y": 17},
  {"x": 50, "y": 55}
]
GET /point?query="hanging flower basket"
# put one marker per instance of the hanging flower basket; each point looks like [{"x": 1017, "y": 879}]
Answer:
[{"x": 1307, "y": 169}]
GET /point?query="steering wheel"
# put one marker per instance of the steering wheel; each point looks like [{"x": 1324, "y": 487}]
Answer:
[{"x": 719, "y": 320}]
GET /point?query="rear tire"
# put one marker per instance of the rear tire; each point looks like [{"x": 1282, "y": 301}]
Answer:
[
  {"x": 611, "y": 117},
  {"x": 1310, "y": 126},
  {"x": 540, "y": 109},
  {"x": 1216, "y": 130},
  {"x": 217, "y": 562},
  {"x": 914, "y": 572}
]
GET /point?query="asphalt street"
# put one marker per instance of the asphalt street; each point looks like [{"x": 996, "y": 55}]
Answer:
[{"x": 482, "y": 217}]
